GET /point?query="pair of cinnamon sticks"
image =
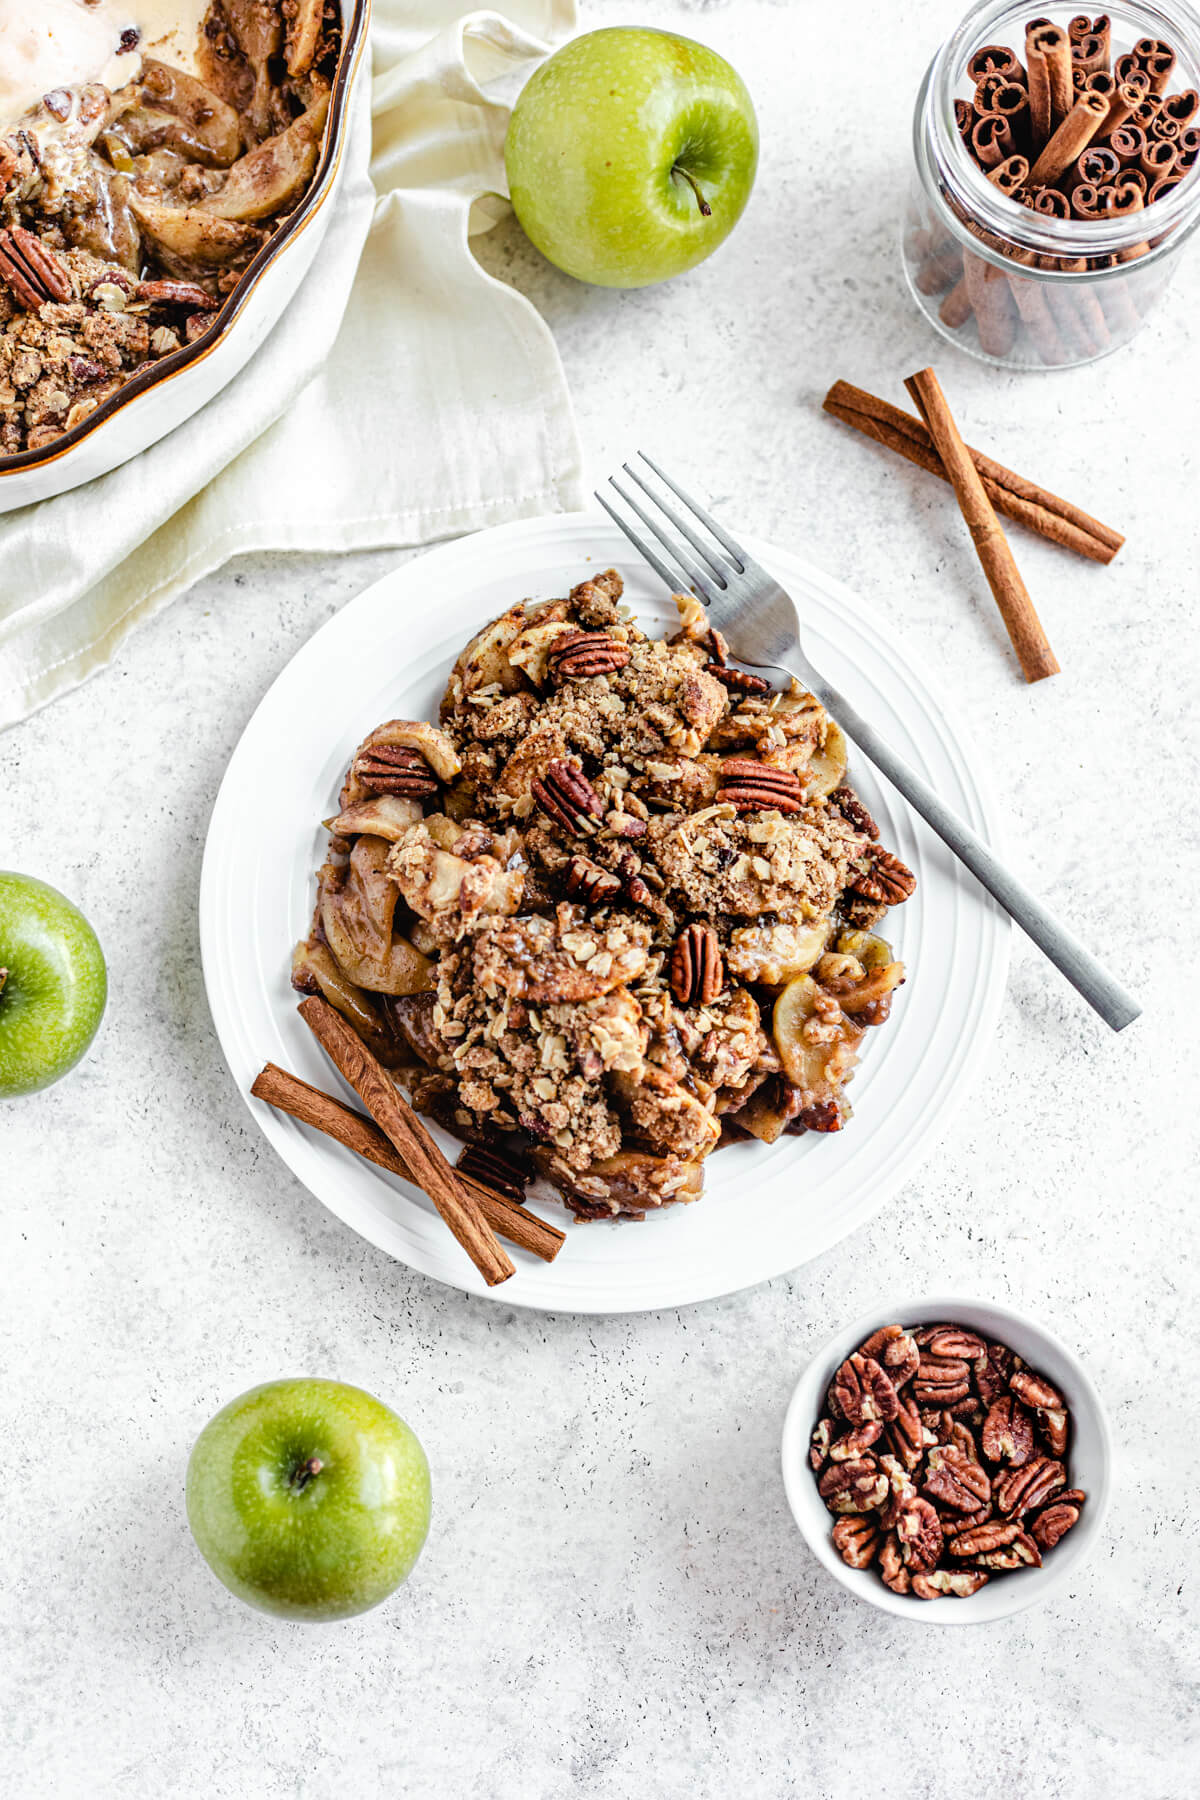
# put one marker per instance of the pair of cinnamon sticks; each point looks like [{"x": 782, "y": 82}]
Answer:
[
  {"x": 394, "y": 1138},
  {"x": 982, "y": 487}
]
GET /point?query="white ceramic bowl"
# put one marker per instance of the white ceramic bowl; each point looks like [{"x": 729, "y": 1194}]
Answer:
[
  {"x": 1089, "y": 1459},
  {"x": 164, "y": 394}
]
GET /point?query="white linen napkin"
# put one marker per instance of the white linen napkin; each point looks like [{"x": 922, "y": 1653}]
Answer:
[{"x": 438, "y": 407}]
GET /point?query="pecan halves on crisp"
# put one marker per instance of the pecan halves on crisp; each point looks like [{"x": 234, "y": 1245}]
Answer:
[
  {"x": 920, "y": 1533},
  {"x": 853, "y": 1487},
  {"x": 1047, "y": 1403},
  {"x": 959, "y": 1583},
  {"x": 884, "y": 879},
  {"x": 500, "y": 1170},
  {"x": 567, "y": 796},
  {"x": 1028, "y": 1488},
  {"x": 32, "y": 273},
  {"x": 697, "y": 967},
  {"x": 847, "y": 802},
  {"x": 863, "y": 1392},
  {"x": 389, "y": 769},
  {"x": 1007, "y": 1435},
  {"x": 956, "y": 1480},
  {"x": 750, "y": 786},
  {"x": 580, "y": 655},
  {"x": 738, "y": 681},
  {"x": 856, "y": 1541},
  {"x": 587, "y": 881}
]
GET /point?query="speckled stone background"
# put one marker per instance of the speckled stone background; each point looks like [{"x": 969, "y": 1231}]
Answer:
[{"x": 614, "y": 1602}]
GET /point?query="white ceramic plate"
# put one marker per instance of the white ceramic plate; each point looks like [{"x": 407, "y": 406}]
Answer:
[{"x": 766, "y": 1208}]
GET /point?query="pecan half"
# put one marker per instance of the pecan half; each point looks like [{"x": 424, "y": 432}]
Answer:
[
  {"x": 901, "y": 1485},
  {"x": 751, "y": 786},
  {"x": 1022, "y": 1553},
  {"x": 983, "y": 1540},
  {"x": 857, "y": 1540},
  {"x": 920, "y": 1533},
  {"x": 32, "y": 273},
  {"x": 388, "y": 769},
  {"x": 819, "y": 1444},
  {"x": 499, "y": 1170},
  {"x": 864, "y": 1392},
  {"x": 953, "y": 1341},
  {"x": 885, "y": 878},
  {"x": 1029, "y": 1487},
  {"x": 891, "y": 1565},
  {"x": 579, "y": 655},
  {"x": 1053, "y": 1524},
  {"x": 823, "y": 1115},
  {"x": 993, "y": 1370},
  {"x": 853, "y": 1487},
  {"x": 939, "y": 1380},
  {"x": 737, "y": 680},
  {"x": 847, "y": 802},
  {"x": 636, "y": 890},
  {"x": 176, "y": 293},
  {"x": 1047, "y": 1403},
  {"x": 906, "y": 1434},
  {"x": 697, "y": 967},
  {"x": 567, "y": 796},
  {"x": 587, "y": 881},
  {"x": 895, "y": 1350},
  {"x": 969, "y": 1521},
  {"x": 956, "y": 1480},
  {"x": 1007, "y": 1434},
  {"x": 961, "y": 1583},
  {"x": 856, "y": 1443}
]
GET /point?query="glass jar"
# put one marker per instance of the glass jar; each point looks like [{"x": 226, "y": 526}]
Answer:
[{"x": 1023, "y": 288}]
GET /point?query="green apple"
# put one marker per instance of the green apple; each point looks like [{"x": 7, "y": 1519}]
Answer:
[
  {"x": 52, "y": 984},
  {"x": 631, "y": 155},
  {"x": 308, "y": 1498}
]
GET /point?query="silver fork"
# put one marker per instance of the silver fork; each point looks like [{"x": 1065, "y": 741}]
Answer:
[{"x": 759, "y": 621}]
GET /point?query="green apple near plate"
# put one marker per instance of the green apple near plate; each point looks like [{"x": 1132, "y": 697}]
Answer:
[
  {"x": 53, "y": 984},
  {"x": 308, "y": 1498},
  {"x": 630, "y": 155}
]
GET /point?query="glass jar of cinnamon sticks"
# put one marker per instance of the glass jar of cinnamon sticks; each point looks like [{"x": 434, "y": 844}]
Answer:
[{"x": 1057, "y": 178}]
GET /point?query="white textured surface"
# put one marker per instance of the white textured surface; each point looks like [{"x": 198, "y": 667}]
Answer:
[{"x": 614, "y": 1602}]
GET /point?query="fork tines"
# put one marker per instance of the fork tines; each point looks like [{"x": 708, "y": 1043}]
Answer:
[{"x": 701, "y": 573}]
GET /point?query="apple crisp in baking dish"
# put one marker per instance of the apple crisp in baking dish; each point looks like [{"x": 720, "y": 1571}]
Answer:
[
  {"x": 617, "y": 909},
  {"x": 148, "y": 150}
]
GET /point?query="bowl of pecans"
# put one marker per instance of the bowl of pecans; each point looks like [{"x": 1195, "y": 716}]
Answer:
[{"x": 948, "y": 1460}]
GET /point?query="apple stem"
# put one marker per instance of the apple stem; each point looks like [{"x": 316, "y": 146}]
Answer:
[
  {"x": 305, "y": 1473},
  {"x": 701, "y": 202}
]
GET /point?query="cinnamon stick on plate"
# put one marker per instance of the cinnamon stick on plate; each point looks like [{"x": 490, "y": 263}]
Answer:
[
  {"x": 427, "y": 1166},
  {"x": 991, "y": 546},
  {"x": 287, "y": 1093},
  {"x": 1017, "y": 498}
]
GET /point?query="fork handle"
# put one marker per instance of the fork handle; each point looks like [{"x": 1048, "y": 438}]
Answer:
[{"x": 1098, "y": 987}]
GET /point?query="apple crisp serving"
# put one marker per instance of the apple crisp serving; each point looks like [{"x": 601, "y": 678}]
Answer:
[
  {"x": 148, "y": 150},
  {"x": 616, "y": 910}
]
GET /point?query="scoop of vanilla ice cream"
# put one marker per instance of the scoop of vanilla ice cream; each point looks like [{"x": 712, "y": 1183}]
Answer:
[{"x": 53, "y": 43}]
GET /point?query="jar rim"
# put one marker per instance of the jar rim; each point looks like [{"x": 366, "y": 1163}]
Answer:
[{"x": 936, "y": 133}]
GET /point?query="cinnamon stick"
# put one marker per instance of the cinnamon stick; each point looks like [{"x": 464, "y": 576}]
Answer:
[
  {"x": 1053, "y": 48},
  {"x": 1039, "y": 85},
  {"x": 287, "y": 1093},
  {"x": 428, "y": 1167},
  {"x": 956, "y": 308},
  {"x": 1023, "y": 501},
  {"x": 991, "y": 546},
  {"x": 1071, "y": 138}
]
